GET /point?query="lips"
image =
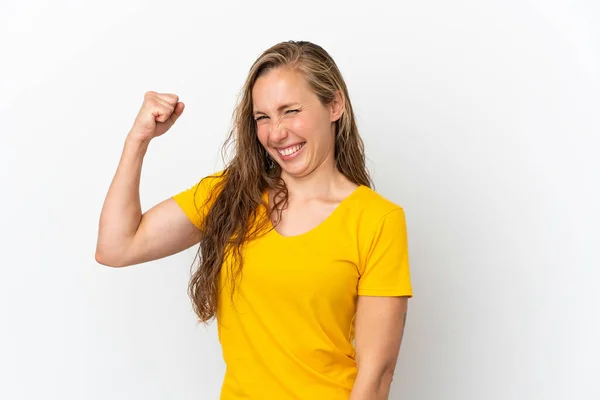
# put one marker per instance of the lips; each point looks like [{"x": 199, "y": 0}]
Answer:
[{"x": 290, "y": 150}]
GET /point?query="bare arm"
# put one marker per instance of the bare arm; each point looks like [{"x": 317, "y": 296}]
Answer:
[
  {"x": 125, "y": 236},
  {"x": 379, "y": 329}
]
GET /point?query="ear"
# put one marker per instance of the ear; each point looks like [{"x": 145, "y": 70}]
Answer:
[{"x": 336, "y": 107}]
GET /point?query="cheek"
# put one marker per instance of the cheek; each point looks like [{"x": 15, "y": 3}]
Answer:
[
  {"x": 262, "y": 132},
  {"x": 306, "y": 127}
]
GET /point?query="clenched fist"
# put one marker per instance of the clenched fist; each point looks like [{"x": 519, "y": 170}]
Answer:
[{"x": 156, "y": 116}]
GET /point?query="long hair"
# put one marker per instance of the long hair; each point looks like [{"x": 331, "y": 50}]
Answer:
[{"x": 234, "y": 217}]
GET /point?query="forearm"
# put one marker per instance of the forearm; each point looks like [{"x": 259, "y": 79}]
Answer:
[
  {"x": 121, "y": 212},
  {"x": 372, "y": 386}
]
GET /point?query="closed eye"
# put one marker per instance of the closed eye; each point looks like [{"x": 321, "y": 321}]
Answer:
[{"x": 287, "y": 112}]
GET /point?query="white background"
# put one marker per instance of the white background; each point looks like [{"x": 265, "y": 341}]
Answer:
[{"x": 480, "y": 118}]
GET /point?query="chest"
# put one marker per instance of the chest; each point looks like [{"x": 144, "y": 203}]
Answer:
[
  {"x": 318, "y": 268},
  {"x": 298, "y": 219}
]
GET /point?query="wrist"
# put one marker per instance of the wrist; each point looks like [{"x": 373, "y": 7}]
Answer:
[{"x": 133, "y": 140}]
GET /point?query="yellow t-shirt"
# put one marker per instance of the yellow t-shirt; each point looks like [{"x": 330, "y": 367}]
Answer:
[{"x": 289, "y": 332}]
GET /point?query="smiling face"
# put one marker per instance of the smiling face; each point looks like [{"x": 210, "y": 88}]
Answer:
[{"x": 292, "y": 124}]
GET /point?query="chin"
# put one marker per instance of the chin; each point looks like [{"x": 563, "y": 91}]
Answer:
[{"x": 297, "y": 169}]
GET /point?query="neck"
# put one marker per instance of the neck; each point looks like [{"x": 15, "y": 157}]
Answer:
[{"x": 324, "y": 181}]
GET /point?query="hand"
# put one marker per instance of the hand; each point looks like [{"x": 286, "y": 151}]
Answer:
[{"x": 156, "y": 116}]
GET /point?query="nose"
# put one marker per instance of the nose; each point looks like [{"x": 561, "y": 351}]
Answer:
[{"x": 278, "y": 131}]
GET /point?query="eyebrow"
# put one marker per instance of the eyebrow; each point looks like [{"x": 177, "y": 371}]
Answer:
[{"x": 281, "y": 107}]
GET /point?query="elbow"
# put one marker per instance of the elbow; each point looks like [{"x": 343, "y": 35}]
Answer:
[
  {"x": 103, "y": 259},
  {"x": 387, "y": 376},
  {"x": 384, "y": 383},
  {"x": 379, "y": 376}
]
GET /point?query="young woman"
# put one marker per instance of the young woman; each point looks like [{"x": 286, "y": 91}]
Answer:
[{"x": 304, "y": 266}]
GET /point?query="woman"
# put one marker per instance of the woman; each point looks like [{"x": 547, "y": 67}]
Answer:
[{"x": 304, "y": 266}]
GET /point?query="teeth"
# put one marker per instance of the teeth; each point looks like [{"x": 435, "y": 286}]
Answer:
[{"x": 290, "y": 150}]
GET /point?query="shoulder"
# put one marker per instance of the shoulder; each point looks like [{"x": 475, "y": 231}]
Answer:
[
  {"x": 201, "y": 191},
  {"x": 378, "y": 225},
  {"x": 371, "y": 206},
  {"x": 196, "y": 199},
  {"x": 206, "y": 183},
  {"x": 213, "y": 180},
  {"x": 369, "y": 214}
]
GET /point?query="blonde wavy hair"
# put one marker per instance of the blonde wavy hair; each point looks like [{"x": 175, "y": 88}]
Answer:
[{"x": 237, "y": 198}]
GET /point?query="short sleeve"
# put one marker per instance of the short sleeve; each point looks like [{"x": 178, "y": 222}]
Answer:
[
  {"x": 385, "y": 266},
  {"x": 197, "y": 199}
]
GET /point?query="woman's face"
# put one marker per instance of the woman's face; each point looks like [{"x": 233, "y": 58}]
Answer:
[{"x": 293, "y": 125}]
